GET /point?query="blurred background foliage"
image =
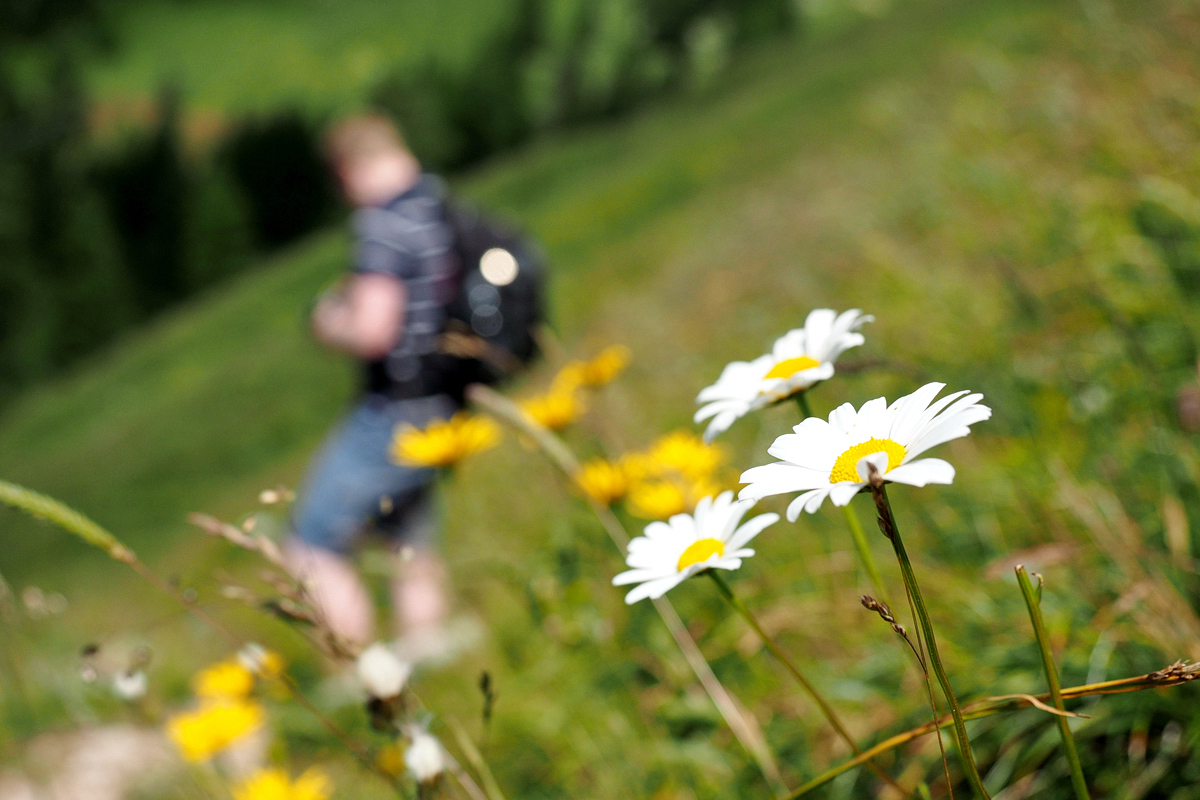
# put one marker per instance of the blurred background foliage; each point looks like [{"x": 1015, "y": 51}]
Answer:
[
  {"x": 1010, "y": 186},
  {"x": 110, "y": 222}
]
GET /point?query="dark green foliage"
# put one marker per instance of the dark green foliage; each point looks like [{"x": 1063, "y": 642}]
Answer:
[
  {"x": 563, "y": 63},
  {"x": 60, "y": 280},
  {"x": 145, "y": 189},
  {"x": 24, "y": 20},
  {"x": 1168, "y": 218},
  {"x": 277, "y": 164}
]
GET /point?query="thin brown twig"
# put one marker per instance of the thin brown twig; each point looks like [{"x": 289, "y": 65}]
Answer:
[
  {"x": 1178, "y": 673},
  {"x": 885, "y": 613}
]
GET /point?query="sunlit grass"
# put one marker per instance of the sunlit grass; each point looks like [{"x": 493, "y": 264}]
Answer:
[{"x": 967, "y": 179}]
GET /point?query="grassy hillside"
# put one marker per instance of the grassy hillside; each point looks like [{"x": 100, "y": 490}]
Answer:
[
  {"x": 970, "y": 175},
  {"x": 235, "y": 56}
]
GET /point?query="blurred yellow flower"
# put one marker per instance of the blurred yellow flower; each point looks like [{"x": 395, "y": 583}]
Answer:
[
  {"x": 569, "y": 378},
  {"x": 215, "y": 725},
  {"x": 636, "y": 466},
  {"x": 444, "y": 443},
  {"x": 606, "y": 366},
  {"x": 274, "y": 784},
  {"x": 390, "y": 759},
  {"x": 684, "y": 453},
  {"x": 656, "y": 499},
  {"x": 555, "y": 410},
  {"x": 663, "y": 498},
  {"x": 603, "y": 481},
  {"x": 228, "y": 679}
]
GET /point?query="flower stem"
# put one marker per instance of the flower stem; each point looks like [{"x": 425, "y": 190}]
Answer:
[
  {"x": 864, "y": 550},
  {"x": 802, "y": 401},
  {"x": 887, "y": 523},
  {"x": 856, "y": 529},
  {"x": 744, "y": 726},
  {"x": 826, "y": 709},
  {"x": 1033, "y": 603}
]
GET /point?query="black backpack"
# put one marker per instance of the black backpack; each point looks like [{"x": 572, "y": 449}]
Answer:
[{"x": 493, "y": 319}]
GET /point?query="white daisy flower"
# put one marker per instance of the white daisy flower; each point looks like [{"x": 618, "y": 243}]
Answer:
[
  {"x": 799, "y": 359},
  {"x": 673, "y": 551},
  {"x": 381, "y": 673},
  {"x": 829, "y": 459}
]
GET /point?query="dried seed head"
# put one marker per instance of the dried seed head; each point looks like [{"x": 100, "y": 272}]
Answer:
[
  {"x": 382, "y": 674},
  {"x": 130, "y": 685},
  {"x": 424, "y": 756}
]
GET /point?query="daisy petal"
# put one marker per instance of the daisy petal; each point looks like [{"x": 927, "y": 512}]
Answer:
[
  {"x": 841, "y": 494},
  {"x": 922, "y": 472},
  {"x": 752, "y": 527}
]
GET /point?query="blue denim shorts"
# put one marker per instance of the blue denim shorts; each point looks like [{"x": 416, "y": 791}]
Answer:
[{"x": 353, "y": 484}]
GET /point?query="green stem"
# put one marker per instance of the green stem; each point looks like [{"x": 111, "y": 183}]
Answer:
[
  {"x": 1032, "y": 601},
  {"x": 996, "y": 705},
  {"x": 856, "y": 528},
  {"x": 864, "y": 550},
  {"x": 802, "y": 401},
  {"x": 826, "y": 709},
  {"x": 887, "y": 522}
]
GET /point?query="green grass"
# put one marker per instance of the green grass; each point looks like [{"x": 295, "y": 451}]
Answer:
[
  {"x": 965, "y": 173},
  {"x": 230, "y": 57}
]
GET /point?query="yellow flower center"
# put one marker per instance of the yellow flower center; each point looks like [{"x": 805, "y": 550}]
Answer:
[
  {"x": 846, "y": 466},
  {"x": 699, "y": 551},
  {"x": 789, "y": 367}
]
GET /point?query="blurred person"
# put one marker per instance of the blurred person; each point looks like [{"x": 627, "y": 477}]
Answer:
[{"x": 388, "y": 313}]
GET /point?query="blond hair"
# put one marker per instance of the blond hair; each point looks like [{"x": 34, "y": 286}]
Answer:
[{"x": 363, "y": 136}]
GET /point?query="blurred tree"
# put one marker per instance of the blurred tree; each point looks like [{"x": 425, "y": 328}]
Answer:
[
  {"x": 145, "y": 188},
  {"x": 276, "y": 162},
  {"x": 562, "y": 62},
  {"x": 61, "y": 283}
]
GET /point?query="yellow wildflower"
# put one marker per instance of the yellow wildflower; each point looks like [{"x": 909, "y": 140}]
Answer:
[
  {"x": 390, "y": 759},
  {"x": 570, "y": 377},
  {"x": 636, "y": 466},
  {"x": 553, "y": 411},
  {"x": 603, "y": 481},
  {"x": 274, "y": 784},
  {"x": 684, "y": 453},
  {"x": 660, "y": 498},
  {"x": 203, "y": 733},
  {"x": 224, "y": 679},
  {"x": 657, "y": 499},
  {"x": 444, "y": 443},
  {"x": 606, "y": 366}
]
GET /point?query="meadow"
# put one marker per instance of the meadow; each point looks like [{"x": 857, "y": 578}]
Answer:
[
  {"x": 235, "y": 57},
  {"x": 1010, "y": 188}
]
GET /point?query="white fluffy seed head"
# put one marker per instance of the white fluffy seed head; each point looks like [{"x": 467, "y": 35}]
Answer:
[
  {"x": 130, "y": 684},
  {"x": 382, "y": 674},
  {"x": 424, "y": 755},
  {"x": 252, "y": 656}
]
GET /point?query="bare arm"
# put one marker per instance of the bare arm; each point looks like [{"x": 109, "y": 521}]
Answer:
[{"x": 365, "y": 319}]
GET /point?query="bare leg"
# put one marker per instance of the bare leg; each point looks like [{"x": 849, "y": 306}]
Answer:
[
  {"x": 419, "y": 591},
  {"x": 337, "y": 589}
]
